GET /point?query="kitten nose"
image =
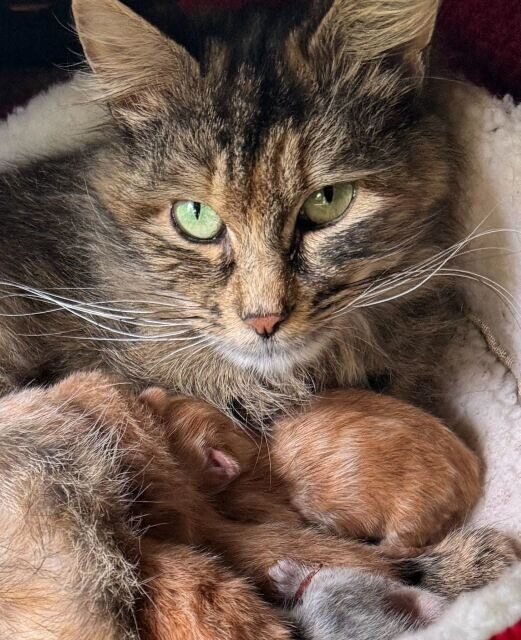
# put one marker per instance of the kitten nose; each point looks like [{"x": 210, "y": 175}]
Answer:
[{"x": 264, "y": 325}]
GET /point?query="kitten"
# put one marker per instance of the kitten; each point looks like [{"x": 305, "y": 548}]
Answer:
[
  {"x": 99, "y": 522},
  {"x": 210, "y": 447},
  {"x": 271, "y": 190},
  {"x": 357, "y": 463},
  {"x": 240, "y": 474},
  {"x": 340, "y": 604},
  {"x": 370, "y": 466}
]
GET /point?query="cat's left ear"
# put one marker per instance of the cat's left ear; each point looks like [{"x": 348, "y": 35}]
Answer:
[
  {"x": 128, "y": 55},
  {"x": 370, "y": 29}
]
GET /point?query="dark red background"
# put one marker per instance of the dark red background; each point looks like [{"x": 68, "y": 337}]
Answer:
[{"x": 485, "y": 37}]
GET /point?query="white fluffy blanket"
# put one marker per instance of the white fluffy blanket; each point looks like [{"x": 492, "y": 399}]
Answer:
[{"x": 481, "y": 394}]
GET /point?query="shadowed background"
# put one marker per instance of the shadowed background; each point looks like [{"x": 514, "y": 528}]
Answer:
[{"x": 37, "y": 42}]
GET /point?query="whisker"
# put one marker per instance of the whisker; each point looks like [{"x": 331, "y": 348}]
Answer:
[
  {"x": 401, "y": 278},
  {"x": 503, "y": 294}
]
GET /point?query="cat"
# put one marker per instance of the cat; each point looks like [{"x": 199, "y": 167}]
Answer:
[
  {"x": 106, "y": 534},
  {"x": 359, "y": 464},
  {"x": 260, "y": 220},
  {"x": 368, "y": 466}
]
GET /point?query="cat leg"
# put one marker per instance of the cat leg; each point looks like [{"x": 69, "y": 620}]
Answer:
[
  {"x": 191, "y": 596},
  {"x": 332, "y": 603},
  {"x": 68, "y": 545},
  {"x": 465, "y": 560}
]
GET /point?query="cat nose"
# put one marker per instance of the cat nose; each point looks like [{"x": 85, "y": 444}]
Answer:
[{"x": 265, "y": 325}]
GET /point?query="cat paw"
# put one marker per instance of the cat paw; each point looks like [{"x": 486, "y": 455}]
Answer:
[{"x": 465, "y": 560}]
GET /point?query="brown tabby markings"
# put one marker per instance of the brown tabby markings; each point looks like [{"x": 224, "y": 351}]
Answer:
[{"x": 250, "y": 114}]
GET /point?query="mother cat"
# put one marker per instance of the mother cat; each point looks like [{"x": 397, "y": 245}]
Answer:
[{"x": 268, "y": 187}]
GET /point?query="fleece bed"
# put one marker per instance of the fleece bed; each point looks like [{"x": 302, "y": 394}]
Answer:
[{"x": 482, "y": 372}]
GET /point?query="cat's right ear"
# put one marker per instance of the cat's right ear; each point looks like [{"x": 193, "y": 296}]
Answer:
[
  {"x": 364, "y": 30},
  {"x": 131, "y": 59}
]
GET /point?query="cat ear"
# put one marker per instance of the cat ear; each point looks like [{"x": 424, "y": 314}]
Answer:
[
  {"x": 368, "y": 29},
  {"x": 127, "y": 54}
]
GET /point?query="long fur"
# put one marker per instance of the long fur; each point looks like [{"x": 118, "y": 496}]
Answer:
[{"x": 241, "y": 113}]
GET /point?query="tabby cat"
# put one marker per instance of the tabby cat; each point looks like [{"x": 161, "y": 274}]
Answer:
[{"x": 261, "y": 219}]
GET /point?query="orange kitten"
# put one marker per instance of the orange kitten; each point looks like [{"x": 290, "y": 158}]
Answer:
[
  {"x": 361, "y": 464},
  {"x": 370, "y": 466}
]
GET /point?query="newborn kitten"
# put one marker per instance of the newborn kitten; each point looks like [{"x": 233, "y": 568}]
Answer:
[
  {"x": 271, "y": 189},
  {"x": 206, "y": 442},
  {"x": 369, "y": 466},
  {"x": 344, "y": 604},
  {"x": 98, "y": 518},
  {"x": 360, "y": 464},
  {"x": 214, "y": 450}
]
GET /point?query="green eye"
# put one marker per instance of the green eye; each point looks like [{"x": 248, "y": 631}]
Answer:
[
  {"x": 329, "y": 203},
  {"x": 196, "y": 220}
]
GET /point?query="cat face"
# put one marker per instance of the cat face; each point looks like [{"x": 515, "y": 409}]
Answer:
[{"x": 273, "y": 175}]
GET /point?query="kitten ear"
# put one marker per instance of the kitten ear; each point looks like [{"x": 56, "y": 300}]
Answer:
[
  {"x": 368, "y": 29},
  {"x": 220, "y": 470},
  {"x": 156, "y": 399},
  {"x": 126, "y": 53}
]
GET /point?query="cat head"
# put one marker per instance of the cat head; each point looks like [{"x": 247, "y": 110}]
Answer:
[{"x": 271, "y": 164}]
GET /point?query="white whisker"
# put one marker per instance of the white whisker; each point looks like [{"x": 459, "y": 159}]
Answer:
[{"x": 424, "y": 271}]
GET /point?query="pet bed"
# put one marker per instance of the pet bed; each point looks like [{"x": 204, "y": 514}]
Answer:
[{"x": 483, "y": 369}]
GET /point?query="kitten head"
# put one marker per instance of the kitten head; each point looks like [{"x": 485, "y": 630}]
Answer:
[{"x": 271, "y": 165}]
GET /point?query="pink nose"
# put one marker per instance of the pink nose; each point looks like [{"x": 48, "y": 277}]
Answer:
[{"x": 264, "y": 325}]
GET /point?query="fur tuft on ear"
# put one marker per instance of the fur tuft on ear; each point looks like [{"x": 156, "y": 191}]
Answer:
[
  {"x": 368, "y": 29},
  {"x": 127, "y": 54}
]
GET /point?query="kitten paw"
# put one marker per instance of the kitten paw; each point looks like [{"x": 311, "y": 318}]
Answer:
[{"x": 287, "y": 576}]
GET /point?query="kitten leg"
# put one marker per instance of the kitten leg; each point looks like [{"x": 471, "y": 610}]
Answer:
[
  {"x": 338, "y": 603},
  {"x": 67, "y": 553},
  {"x": 255, "y": 548},
  {"x": 191, "y": 596}
]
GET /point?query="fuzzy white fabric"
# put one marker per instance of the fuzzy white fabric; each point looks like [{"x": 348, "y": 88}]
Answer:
[
  {"x": 55, "y": 121},
  {"x": 480, "y": 615},
  {"x": 481, "y": 394}
]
